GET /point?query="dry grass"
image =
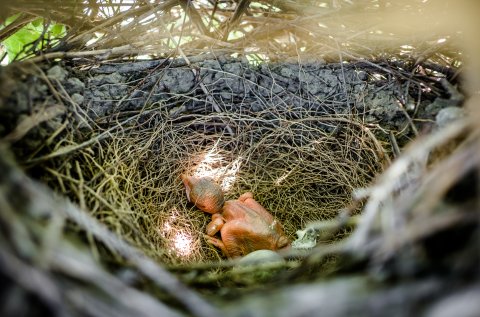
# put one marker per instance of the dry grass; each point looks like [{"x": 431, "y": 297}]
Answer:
[{"x": 266, "y": 30}]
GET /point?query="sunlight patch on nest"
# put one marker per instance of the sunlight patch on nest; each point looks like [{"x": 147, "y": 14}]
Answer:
[
  {"x": 181, "y": 240},
  {"x": 183, "y": 243},
  {"x": 214, "y": 165}
]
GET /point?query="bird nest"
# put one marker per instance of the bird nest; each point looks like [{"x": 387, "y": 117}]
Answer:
[
  {"x": 301, "y": 170},
  {"x": 302, "y": 152}
]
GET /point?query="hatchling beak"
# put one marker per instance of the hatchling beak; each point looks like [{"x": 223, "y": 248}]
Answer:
[{"x": 187, "y": 183}]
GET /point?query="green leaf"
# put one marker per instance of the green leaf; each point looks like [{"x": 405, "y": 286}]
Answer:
[
  {"x": 29, "y": 35},
  {"x": 16, "y": 42},
  {"x": 9, "y": 20},
  {"x": 57, "y": 30},
  {"x": 37, "y": 23}
]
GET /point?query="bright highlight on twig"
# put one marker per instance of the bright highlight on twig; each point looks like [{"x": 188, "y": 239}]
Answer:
[
  {"x": 280, "y": 179},
  {"x": 215, "y": 166}
]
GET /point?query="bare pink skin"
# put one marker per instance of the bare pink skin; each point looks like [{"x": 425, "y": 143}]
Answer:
[
  {"x": 244, "y": 225},
  {"x": 204, "y": 193}
]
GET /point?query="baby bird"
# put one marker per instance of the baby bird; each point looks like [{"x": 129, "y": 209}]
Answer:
[
  {"x": 243, "y": 224},
  {"x": 204, "y": 193}
]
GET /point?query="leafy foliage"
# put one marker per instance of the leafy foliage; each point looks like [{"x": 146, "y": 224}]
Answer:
[{"x": 36, "y": 35}]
